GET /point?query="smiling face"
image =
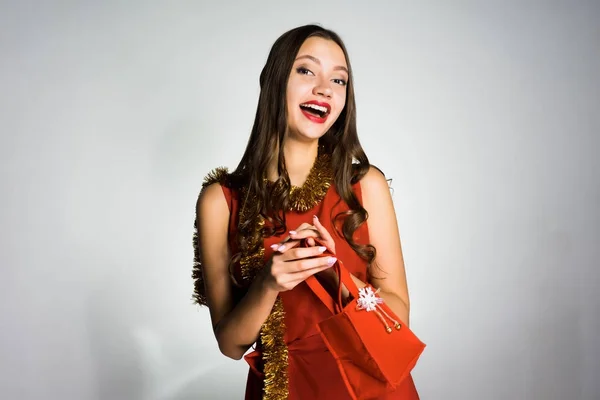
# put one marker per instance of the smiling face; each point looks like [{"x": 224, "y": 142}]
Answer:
[{"x": 316, "y": 89}]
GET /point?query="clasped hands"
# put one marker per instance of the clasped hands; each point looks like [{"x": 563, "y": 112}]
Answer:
[{"x": 291, "y": 264}]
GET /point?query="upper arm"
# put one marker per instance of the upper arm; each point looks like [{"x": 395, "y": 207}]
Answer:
[
  {"x": 387, "y": 271},
  {"x": 212, "y": 219}
]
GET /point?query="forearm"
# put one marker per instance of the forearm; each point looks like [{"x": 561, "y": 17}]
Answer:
[
  {"x": 398, "y": 306},
  {"x": 240, "y": 328}
]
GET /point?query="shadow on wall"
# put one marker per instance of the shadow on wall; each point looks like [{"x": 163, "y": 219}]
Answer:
[
  {"x": 552, "y": 364},
  {"x": 215, "y": 384},
  {"x": 134, "y": 361},
  {"x": 119, "y": 365},
  {"x": 143, "y": 344}
]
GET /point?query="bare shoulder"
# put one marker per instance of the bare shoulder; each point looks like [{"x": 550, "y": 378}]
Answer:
[
  {"x": 383, "y": 231},
  {"x": 212, "y": 216},
  {"x": 374, "y": 185},
  {"x": 389, "y": 273},
  {"x": 212, "y": 198},
  {"x": 213, "y": 282},
  {"x": 211, "y": 195}
]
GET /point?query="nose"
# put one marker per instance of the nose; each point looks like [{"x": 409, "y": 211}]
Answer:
[{"x": 323, "y": 89}]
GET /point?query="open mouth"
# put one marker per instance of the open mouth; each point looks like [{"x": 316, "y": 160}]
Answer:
[{"x": 316, "y": 112}]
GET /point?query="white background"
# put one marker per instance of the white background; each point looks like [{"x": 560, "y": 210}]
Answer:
[{"x": 485, "y": 114}]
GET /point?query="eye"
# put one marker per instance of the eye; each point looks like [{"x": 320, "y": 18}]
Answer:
[
  {"x": 304, "y": 71},
  {"x": 340, "y": 82}
]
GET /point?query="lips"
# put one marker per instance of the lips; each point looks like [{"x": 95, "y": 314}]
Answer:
[{"x": 316, "y": 111}]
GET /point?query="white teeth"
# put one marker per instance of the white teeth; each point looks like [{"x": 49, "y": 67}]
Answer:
[{"x": 316, "y": 107}]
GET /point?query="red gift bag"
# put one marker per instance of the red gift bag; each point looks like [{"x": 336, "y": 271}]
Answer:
[{"x": 373, "y": 349}]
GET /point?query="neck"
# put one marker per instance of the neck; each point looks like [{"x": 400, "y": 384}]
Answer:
[{"x": 299, "y": 159}]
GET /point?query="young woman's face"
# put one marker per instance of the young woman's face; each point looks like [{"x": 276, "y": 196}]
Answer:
[{"x": 316, "y": 90}]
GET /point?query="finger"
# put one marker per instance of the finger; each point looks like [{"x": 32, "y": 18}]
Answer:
[
  {"x": 287, "y": 244},
  {"x": 305, "y": 233},
  {"x": 321, "y": 229},
  {"x": 302, "y": 275},
  {"x": 292, "y": 234},
  {"x": 304, "y": 253},
  {"x": 276, "y": 246},
  {"x": 313, "y": 263},
  {"x": 302, "y": 226},
  {"x": 310, "y": 241}
]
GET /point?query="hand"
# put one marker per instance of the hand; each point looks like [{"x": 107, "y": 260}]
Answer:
[
  {"x": 309, "y": 232},
  {"x": 291, "y": 265},
  {"x": 313, "y": 231}
]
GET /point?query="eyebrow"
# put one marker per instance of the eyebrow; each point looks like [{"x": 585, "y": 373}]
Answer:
[{"x": 316, "y": 60}]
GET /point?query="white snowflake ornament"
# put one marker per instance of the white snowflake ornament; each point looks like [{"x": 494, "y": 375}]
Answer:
[{"x": 367, "y": 299}]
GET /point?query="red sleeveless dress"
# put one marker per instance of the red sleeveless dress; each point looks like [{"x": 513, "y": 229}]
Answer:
[{"x": 312, "y": 370}]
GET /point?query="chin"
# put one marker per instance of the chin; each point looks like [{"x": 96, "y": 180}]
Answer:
[
  {"x": 310, "y": 130},
  {"x": 309, "y": 134}
]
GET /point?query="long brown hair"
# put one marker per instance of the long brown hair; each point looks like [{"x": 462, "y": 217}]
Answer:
[
  {"x": 340, "y": 142},
  {"x": 269, "y": 129}
]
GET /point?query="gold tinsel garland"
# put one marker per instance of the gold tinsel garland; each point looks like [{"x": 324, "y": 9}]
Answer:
[
  {"x": 315, "y": 187},
  {"x": 217, "y": 175},
  {"x": 274, "y": 348}
]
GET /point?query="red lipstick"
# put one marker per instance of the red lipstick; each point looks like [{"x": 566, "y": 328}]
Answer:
[{"x": 318, "y": 116}]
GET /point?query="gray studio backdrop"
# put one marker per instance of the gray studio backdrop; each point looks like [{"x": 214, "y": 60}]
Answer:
[{"x": 485, "y": 114}]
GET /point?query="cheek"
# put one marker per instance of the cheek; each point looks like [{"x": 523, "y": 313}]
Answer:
[
  {"x": 297, "y": 86},
  {"x": 294, "y": 93},
  {"x": 291, "y": 99}
]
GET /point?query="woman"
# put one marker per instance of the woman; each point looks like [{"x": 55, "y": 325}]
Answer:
[{"x": 305, "y": 169}]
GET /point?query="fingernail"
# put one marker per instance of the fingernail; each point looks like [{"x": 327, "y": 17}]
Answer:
[
  {"x": 315, "y": 217},
  {"x": 274, "y": 246},
  {"x": 280, "y": 248},
  {"x": 293, "y": 232},
  {"x": 322, "y": 249},
  {"x": 331, "y": 261}
]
